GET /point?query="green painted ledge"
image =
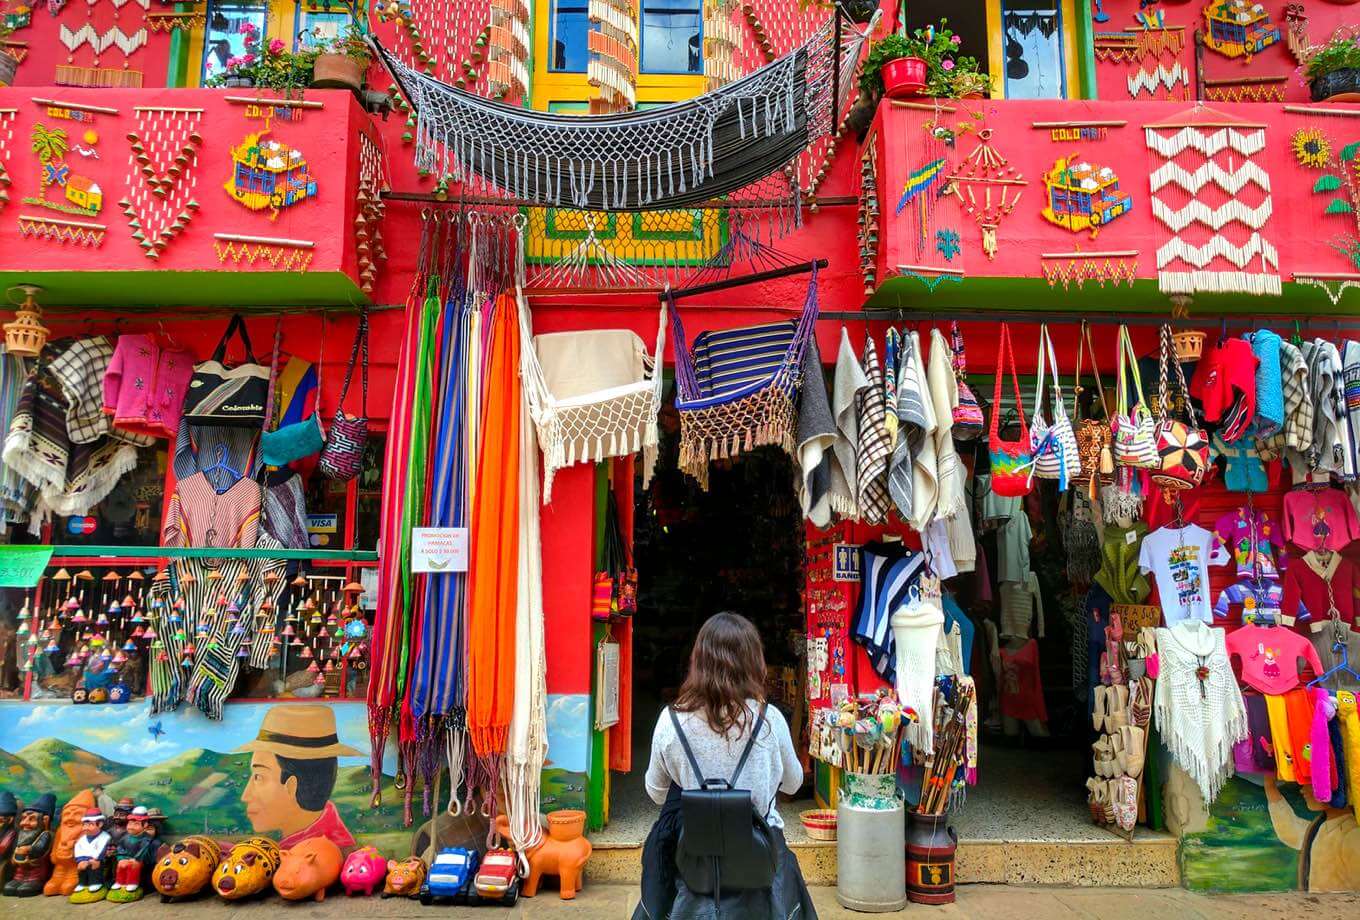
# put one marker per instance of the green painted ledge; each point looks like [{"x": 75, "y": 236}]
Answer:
[{"x": 153, "y": 288}]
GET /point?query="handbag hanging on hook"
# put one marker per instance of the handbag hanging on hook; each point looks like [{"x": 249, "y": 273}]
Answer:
[
  {"x": 1010, "y": 460},
  {"x": 343, "y": 456}
]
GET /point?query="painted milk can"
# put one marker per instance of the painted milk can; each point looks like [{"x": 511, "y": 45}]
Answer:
[
  {"x": 931, "y": 843},
  {"x": 868, "y": 872}
]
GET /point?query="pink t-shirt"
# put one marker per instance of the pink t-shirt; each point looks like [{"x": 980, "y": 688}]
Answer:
[
  {"x": 1320, "y": 519},
  {"x": 1270, "y": 657}
]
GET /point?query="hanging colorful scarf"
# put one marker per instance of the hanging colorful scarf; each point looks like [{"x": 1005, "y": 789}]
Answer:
[
  {"x": 493, "y": 579},
  {"x": 875, "y": 445}
]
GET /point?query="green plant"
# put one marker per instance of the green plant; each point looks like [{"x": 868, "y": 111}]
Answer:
[
  {"x": 889, "y": 48},
  {"x": 274, "y": 67},
  {"x": 1337, "y": 54},
  {"x": 968, "y": 82},
  {"x": 948, "y": 74},
  {"x": 352, "y": 43}
]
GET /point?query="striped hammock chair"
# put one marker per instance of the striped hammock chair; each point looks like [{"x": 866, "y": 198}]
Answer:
[
  {"x": 737, "y": 389},
  {"x": 592, "y": 395}
]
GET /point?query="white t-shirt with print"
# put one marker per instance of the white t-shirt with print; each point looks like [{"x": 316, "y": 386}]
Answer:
[{"x": 1179, "y": 558}]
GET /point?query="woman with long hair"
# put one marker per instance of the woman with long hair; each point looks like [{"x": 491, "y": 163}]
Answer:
[{"x": 721, "y": 711}]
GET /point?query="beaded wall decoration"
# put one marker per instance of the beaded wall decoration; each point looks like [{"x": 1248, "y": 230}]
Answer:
[
  {"x": 947, "y": 243},
  {"x": 266, "y": 110},
  {"x": 932, "y": 276},
  {"x": 1333, "y": 285},
  {"x": 1246, "y": 89},
  {"x": 449, "y": 41},
  {"x": 79, "y": 232},
  {"x": 162, "y": 21},
  {"x": 988, "y": 187},
  {"x": 1082, "y": 195},
  {"x": 1150, "y": 79},
  {"x": 161, "y": 177},
  {"x": 1238, "y": 28},
  {"x": 7, "y": 117},
  {"x": 368, "y": 220},
  {"x": 868, "y": 218},
  {"x": 1312, "y": 148},
  {"x": 1198, "y": 150},
  {"x": 75, "y": 194},
  {"x": 1076, "y": 268},
  {"x": 267, "y": 174},
  {"x": 1296, "y": 31},
  {"x": 112, "y": 34},
  {"x": 273, "y": 252},
  {"x": 1338, "y": 181}
]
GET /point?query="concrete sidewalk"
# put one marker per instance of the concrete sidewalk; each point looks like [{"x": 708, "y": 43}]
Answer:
[{"x": 984, "y": 902}]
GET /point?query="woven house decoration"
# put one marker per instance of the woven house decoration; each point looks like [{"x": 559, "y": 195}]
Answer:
[
  {"x": 1083, "y": 196},
  {"x": 268, "y": 174},
  {"x": 1238, "y": 28}
]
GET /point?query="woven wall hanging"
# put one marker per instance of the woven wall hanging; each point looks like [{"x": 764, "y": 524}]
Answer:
[
  {"x": 1083, "y": 196},
  {"x": 1076, "y": 268},
  {"x": 63, "y": 231},
  {"x": 7, "y": 117},
  {"x": 988, "y": 187},
  {"x": 1238, "y": 28},
  {"x": 1198, "y": 150},
  {"x": 275, "y": 253},
  {"x": 160, "y": 203}
]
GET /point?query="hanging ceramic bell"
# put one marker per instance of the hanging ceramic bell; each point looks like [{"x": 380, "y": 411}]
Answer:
[{"x": 26, "y": 335}]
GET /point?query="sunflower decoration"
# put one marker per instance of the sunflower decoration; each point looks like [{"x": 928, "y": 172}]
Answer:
[{"x": 1311, "y": 148}]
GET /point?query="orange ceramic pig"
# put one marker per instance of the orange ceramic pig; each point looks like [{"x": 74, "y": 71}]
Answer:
[
  {"x": 404, "y": 878},
  {"x": 308, "y": 869}
]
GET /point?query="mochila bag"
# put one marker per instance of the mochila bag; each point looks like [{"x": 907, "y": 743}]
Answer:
[
  {"x": 1055, "y": 445},
  {"x": 1133, "y": 431},
  {"x": 1093, "y": 435},
  {"x": 290, "y": 443},
  {"x": 1182, "y": 448},
  {"x": 1010, "y": 460},
  {"x": 968, "y": 420},
  {"x": 223, "y": 395},
  {"x": 343, "y": 456}
]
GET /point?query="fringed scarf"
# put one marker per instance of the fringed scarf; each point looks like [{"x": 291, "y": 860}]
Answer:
[
  {"x": 916, "y": 630},
  {"x": 912, "y": 418},
  {"x": 494, "y": 577},
  {"x": 848, "y": 384},
  {"x": 816, "y": 438},
  {"x": 875, "y": 443},
  {"x": 16, "y": 492}
]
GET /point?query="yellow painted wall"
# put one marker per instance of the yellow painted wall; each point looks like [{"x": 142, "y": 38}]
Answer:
[{"x": 284, "y": 21}]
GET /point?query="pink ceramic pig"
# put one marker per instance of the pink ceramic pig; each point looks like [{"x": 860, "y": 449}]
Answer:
[
  {"x": 364, "y": 872},
  {"x": 308, "y": 869}
]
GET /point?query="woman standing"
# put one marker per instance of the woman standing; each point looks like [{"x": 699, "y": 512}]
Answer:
[{"x": 722, "y": 714}]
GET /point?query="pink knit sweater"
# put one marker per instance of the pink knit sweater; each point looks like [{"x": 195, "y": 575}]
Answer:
[{"x": 145, "y": 385}]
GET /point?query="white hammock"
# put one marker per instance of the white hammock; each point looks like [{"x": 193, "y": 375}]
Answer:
[{"x": 585, "y": 427}]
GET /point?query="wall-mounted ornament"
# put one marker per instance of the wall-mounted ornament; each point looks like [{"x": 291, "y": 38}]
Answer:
[
  {"x": 1083, "y": 196},
  {"x": 1339, "y": 181},
  {"x": 1134, "y": 45},
  {"x": 1199, "y": 148},
  {"x": 932, "y": 276},
  {"x": 63, "y": 231},
  {"x": 1246, "y": 89},
  {"x": 1312, "y": 148},
  {"x": 160, "y": 201},
  {"x": 1238, "y": 28},
  {"x": 76, "y": 194},
  {"x": 947, "y": 243},
  {"x": 265, "y": 109},
  {"x": 988, "y": 187},
  {"x": 278, "y": 254},
  {"x": 1160, "y": 77},
  {"x": 7, "y": 118},
  {"x": 1076, "y": 268},
  {"x": 170, "y": 21},
  {"x": 1333, "y": 284},
  {"x": 368, "y": 240},
  {"x": 1078, "y": 131},
  {"x": 867, "y": 216},
  {"x": 269, "y": 175},
  {"x": 20, "y": 17}
]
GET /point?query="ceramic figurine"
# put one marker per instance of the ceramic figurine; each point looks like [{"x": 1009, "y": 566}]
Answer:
[
  {"x": 186, "y": 867},
  {"x": 308, "y": 869},
  {"x": 364, "y": 872},
  {"x": 247, "y": 869},
  {"x": 92, "y": 860},
  {"x": 562, "y": 853},
  {"x": 133, "y": 853},
  {"x": 31, "y": 861},
  {"x": 404, "y": 878},
  {"x": 9, "y": 810},
  {"x": 63, "y": 880}
]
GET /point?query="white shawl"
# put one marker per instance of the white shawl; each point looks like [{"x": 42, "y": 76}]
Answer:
[
  {"x": 917, "y": 629},
  {"x": 1199, "y": 721},
  {"x": 925, "y": 486},
  {"x": 850, "y": 380},
  {"x": 944, "y": 392}
]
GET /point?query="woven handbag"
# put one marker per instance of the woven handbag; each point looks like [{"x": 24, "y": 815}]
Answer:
[
  {"x": 1133, "y": 431},
  {"x": 343, "y": 456},
  {"x": 968, "y": 420},
  {"x": 1011, "y": 461},
  {"x": 1093, "y": 435},
  {"x": 225, "y": 395},
  {"x": 1055, "y": 445},
  {"x": 1183, "y": 449}
]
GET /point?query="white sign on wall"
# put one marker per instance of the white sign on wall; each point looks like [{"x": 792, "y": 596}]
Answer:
[{"x": 439, "y": 549}]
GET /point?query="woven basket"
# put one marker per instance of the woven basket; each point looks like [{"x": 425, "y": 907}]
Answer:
[
  {"x": 820, "y": 823},
  {"x": 25, "y": 336},
  {"x": 1189, "y": 344}
]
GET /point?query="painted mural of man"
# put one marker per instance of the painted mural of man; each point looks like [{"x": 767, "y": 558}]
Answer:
[
  {"x": 292, "y": 775},
  {"x": 1328, "y": 843}
]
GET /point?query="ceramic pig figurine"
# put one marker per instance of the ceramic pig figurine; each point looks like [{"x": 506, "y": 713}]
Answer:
[
  {"x": 247, "y": 869},
  {"x": 404, "y": 878},
  {"x": 308, "y": 869},
  {"x": 185, "y": 867},
  {"x": 364, "y": 872}
]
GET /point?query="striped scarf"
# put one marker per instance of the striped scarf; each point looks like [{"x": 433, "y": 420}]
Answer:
[
  {"x": 875, "y": 443},
  {"x": 16, "y": 492}
]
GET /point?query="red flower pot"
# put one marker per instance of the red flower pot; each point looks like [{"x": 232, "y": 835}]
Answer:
[{"x": 904, "y": 77}]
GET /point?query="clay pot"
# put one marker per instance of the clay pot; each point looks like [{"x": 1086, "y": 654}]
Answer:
[
  {"x": 567, "y": 824},
  {"x": 904, "y": 77},
  {"x": 1337, "y": 86},
  {"x": 338, "y": 71}
]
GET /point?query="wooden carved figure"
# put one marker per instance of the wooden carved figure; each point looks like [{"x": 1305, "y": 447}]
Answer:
[
  {"x": 31, "y": 861},
  {"x": 63, "y": 880},
  {"x": 562, "y": 853}
]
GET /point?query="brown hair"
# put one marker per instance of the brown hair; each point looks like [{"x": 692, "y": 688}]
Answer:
[{"x": 726, "y": 668}]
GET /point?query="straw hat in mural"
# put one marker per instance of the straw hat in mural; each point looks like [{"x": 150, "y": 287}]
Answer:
[{"x": 300, "y": 732}]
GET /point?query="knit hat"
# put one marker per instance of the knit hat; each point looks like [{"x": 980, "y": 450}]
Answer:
[{"x": 9, "y": 805}]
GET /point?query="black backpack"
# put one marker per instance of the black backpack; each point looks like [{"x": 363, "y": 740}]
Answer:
[{"x": 725, "y": 845}]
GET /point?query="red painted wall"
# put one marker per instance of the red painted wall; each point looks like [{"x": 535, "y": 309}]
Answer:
[{"x": 46, "y": 50}]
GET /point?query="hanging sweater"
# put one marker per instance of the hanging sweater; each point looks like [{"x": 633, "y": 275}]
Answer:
[
  {"x": 1320, "y": 519},
  {"x": 1021, "y": 605},
  {"x": 1270, "y": 656},
  {"x": 1269, "y": 386},
  {"x": 144, "y": 386},
  {"x": 916, "y": 629},
  {"x": 1199, "y": 708},
  {"x": 1298, "y": 404},
  {"x": 1331, "y": 434},
  {"x": 925, "y": 465},
  {"x": 1350, "y": 387},
  {"x": 1311, "y": 587}
]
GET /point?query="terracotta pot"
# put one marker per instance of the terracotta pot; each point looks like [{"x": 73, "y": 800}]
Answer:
[
  {"x": 8, "y": 65},
  {"x": 338, "y": 71},
  {"x": 904, "y": 77},
  {"x": 567, "y": 824},
  {"x": 1337, "y": 86}
]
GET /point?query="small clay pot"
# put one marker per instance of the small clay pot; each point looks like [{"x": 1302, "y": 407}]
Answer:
[
  {"x": 338, "y": 71},
  {"x": 567, "y": 824}
]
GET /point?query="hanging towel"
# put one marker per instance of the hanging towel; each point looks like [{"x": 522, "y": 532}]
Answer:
[
  {"x": 1269, "y": 385},
  {"x": 816, "y": 443},
  {"x": 916, "y": 629},
  {"x": 849, "y": 383},
  {"x": 1349, "y": 720},
  {"x": 911, "y": 414},
  {"x": 1281, "y": 744},
  {"x": 944, "y": 394},
  {"x": 1350, "y": 375},
  {"x": 875, "y": 446},
  {"x": 925, "y": 486}
]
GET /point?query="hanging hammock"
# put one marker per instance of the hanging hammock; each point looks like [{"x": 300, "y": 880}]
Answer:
[
  {"x": 738, "y": 389},
  {"x": 599, "y": 397},
  {"x": 671, "y": 156}
]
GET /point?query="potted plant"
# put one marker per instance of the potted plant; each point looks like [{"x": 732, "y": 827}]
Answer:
[
  {"x": 860, "y": 11},
  {"x": 1333, "y": 71},
  {"x": 275, "y": 68},
  {"x": 9, "y": 64},
  {"x": 924, "y": 62},
  {"x": 969, "y": 84},
  {"x": 342, "y": 62}
]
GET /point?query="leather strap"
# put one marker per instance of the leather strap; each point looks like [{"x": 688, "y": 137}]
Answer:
[{"x": 741, "y": 763}]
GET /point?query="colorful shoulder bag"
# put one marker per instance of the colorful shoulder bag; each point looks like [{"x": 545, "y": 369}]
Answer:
[
  {"x": 1133, "y": 430},
  {"x": 1182, "y": 448},
  {"x": 1093, "y": 435},
  {"x": 1010, "y": 460},
  {"x": 343, "y": 456},
  {"x": 1055, "y": 446},
  {"x": 968, "y": 421}
]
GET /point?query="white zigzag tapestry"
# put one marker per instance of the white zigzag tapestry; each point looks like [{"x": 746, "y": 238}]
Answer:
[{"x": 1214, "y": 202}]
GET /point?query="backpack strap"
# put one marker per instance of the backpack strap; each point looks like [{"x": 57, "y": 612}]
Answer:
[
  {"x": 741, "y": 763},
  {"x": 684, "y": 743},
  {"x": 750, "y": 743}
]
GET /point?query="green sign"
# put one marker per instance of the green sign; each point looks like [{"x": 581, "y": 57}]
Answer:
[{"x": 22, "y": 566}]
